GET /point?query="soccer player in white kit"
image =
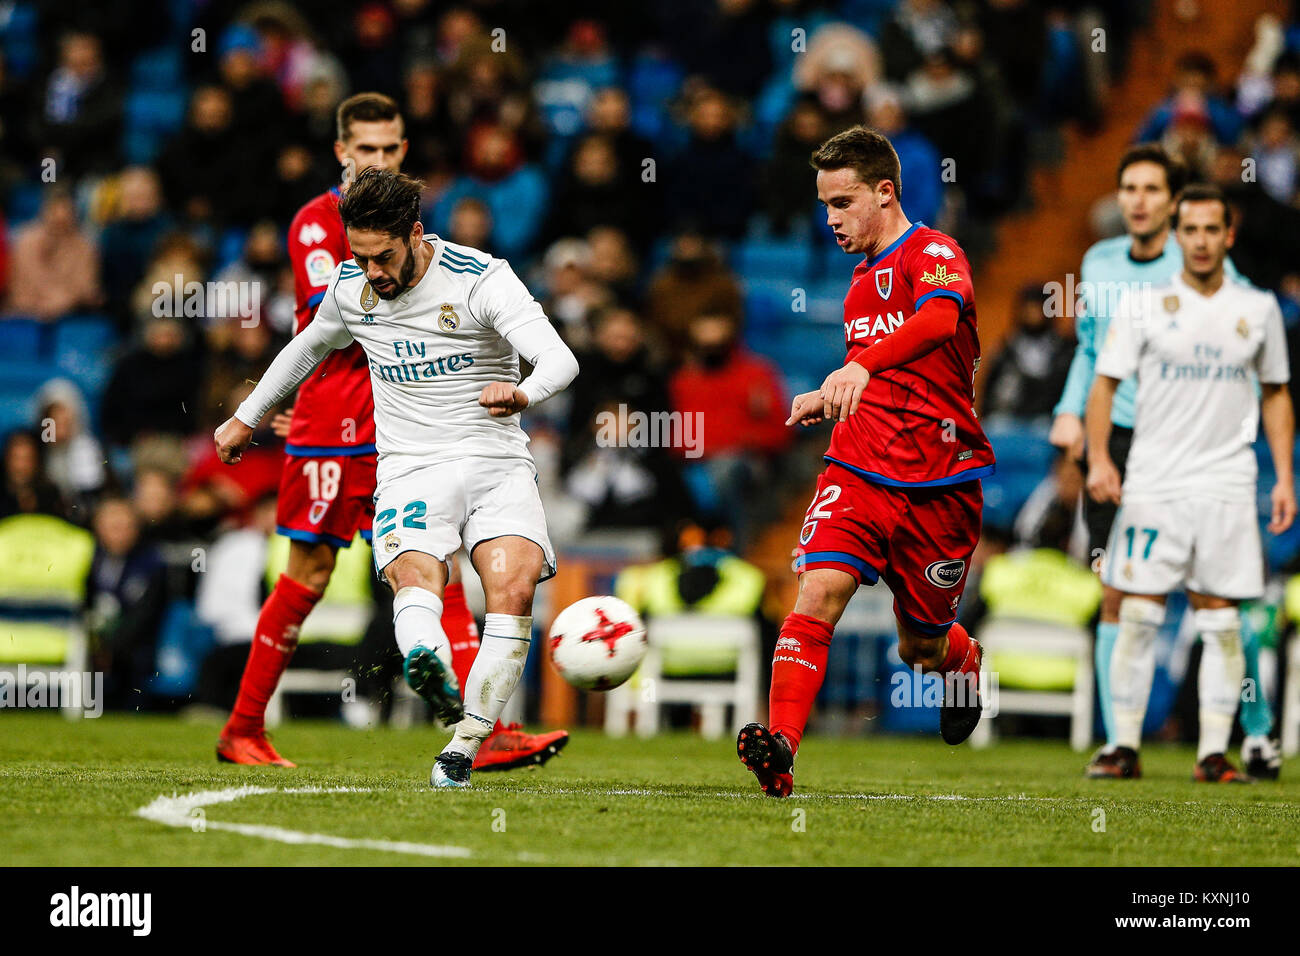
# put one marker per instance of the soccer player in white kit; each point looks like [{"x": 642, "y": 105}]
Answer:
[
  {"x": 443, "y": 326},
  {"x": 1211, "y": 363}
]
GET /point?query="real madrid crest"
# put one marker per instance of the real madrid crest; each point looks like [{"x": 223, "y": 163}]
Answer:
[
  {"x": 1243, "y": 329},
  {"x": 391, "y": 543},
  {"x": 1171, "y": 303},
  {"x": 369, "y": 298},
  {"x": 448, "y": 320}
]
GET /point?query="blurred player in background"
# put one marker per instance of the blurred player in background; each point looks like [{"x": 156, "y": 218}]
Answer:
[
  {"x": 900, "y": 497},
  {"x": 327, "y": 487},
  {"x": 1203, "y": 349},
  {"x": 1147, "y": 180},
  {"x": 443, "y": 327}
]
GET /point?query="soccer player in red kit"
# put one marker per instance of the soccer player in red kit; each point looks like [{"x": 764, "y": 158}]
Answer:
[
  {"x": 900, "y": 498},
  {"x": 328, "y": 483}
]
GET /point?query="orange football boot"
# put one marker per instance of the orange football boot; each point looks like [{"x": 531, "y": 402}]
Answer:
[
  {"x": 253, "y": 749},
  {"x": 510, "y": 746}
]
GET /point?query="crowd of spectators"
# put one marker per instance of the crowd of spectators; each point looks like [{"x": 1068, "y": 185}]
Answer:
[{"x": 617, "y": 154}]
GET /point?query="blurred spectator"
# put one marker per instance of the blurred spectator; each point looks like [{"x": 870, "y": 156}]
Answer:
[
  {"x": 617, "y": 368},
  {"x": 738, "y": 401},
  {"x": 514, "y": 191},
  {"x": 571, "y": 293},
  {"x": 917, "y": 31},
  {"x": 239, "y": 352},
  {"x": 74, "y": 460},
  {"x": 205, "y": 168},
  {"x": 612, "y": 263},
  {"x": 136, "y": 224},
  {"x": 1267, "y": 244},
  {"x": 919, "y": 162},
  {"x": 841, "y": 65},
  {"x": 788, "y": 179},
  {"x": 1028, "y": 373},
  {"x": 693, "y": 281},
  {"x": 728, "y": 46},
  {"x": 256, "y": 274},
  {"x": 55, "y": 265},
  {"x": 82, "y": 110},
  {"x": 610, "y": 115},
  {"x": 1276, "y": 151},
  {"x": 258, "y": 120},
  {"x": 433, "y": 137},
  {"x": 711, "y": 181},
  {"x": 17, "y": 143},
  {"x": 176, "y": 262},
  {"x": 125, "y": 599},
  {"x": 230, "y": 592},
  {"x": 157, "y": 504},
  {"x": 1194, "y": 78},
  {"x": 212, "y": 492},
  {"x": 1188, "y": 136},
  {"x": 471, "y": 224},
  {"x": 24, "y": 487},
  {"x": 624, "y": 482},
  {"x": 298, "y": 178},
  {"x": 1051, "y": 517},
  {"x": 154, "y": 387},
  {"x": 592, "y": 191},
  {"x": 568, "y": 79}
]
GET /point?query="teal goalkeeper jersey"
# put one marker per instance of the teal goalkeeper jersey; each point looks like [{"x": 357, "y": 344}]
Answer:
[{"x": 1107, "y": 271}]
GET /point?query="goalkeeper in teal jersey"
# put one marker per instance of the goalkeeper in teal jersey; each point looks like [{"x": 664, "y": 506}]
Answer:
[{"x": 1147, "y": 255}]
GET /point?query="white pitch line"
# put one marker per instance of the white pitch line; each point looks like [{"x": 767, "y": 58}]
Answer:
[{"x": 177, "y": 811}]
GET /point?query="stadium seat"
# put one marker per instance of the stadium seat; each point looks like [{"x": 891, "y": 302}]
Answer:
[
  {"x": 1036, "y": 640},
  {"x": 24, "y": 203},
  {"x": 44, "y": 562},
  {"x": 161, "y": 69},
  {"x": 340, "y": 617},
  {"x": 25, "y": 340},
  {"x": 183, "y": 642},
  {"x": 786, "y": 260},
  {"x": 682, "y": 644}
]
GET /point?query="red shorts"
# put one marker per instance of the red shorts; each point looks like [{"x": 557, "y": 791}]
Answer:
[
  {"x": 326, "y": 499},
  {"x": 920, "y": 540}
]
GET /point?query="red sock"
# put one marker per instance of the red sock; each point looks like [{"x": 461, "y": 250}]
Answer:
[
  {"x": 798, "y": 669},
  {"x": 961, "y": 655},
  {"x": 458, "y": 624},
  {"x": 273, "y": 646}
]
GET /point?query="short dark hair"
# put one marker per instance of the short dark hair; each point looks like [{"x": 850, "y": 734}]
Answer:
[
  {"x": 1175, "y": 171},
  {"x": 382, "y": 200},
  {"x": 1202, "y": 192},
  {"x": 864, "y": 150},
  {"x": 364, "y": 108}
]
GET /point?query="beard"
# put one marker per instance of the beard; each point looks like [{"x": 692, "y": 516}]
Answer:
[{"x": 403, "y": 281}]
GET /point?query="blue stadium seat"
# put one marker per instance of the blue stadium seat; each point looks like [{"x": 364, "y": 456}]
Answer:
[
  {"x": 784, "y": 259},
  {"x": 24, "y": 339},
  {"x": 20, "y": 380},
  {"x": 183, "y": 642},
  {"x": 1020, "y": 446},
  {"x": 24, "y": 203},
  {"x": 160, "y": 69},
  {"x": 152, "y": 115}
]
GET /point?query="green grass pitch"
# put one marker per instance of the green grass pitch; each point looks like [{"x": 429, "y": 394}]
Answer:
[{"x": 70, "y": 793}]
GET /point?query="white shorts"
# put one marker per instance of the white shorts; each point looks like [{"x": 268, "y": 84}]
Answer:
[
  {"x": 435, "y": 509},
  {"x": 1199, "y": 543}
]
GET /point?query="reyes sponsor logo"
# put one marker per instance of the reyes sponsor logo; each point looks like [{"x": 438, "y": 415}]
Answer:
[
  {"x": 945, "y": 574},
  {"x": 74, "y": 908}
]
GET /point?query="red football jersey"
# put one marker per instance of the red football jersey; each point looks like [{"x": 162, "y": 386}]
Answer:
[
  {"x": 334, "y": 413},
  {"x": 916, "y": 425}
]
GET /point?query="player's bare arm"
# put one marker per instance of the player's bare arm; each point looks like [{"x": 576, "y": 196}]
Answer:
[
  {"x": 502, "y": 399},
  {"x": 807, "y": 409},
  {"x": 1278, "y": 418},
  {"x": 842, "y": 391},
  {"x": 1067, "y": 434},
  {"x": 231, "y": 439},
  {"x": 1103, "y": 476}
]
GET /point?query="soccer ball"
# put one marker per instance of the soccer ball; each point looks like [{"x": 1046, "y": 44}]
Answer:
[{"x": 597, "y": 643}]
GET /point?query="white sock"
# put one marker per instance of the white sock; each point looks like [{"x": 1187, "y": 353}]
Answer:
[
  {"x": 1223, "y": 667},
  {"x": 1132, "y": 667},
  {"x": 502, "y": 650},
  {"x": 417, "y": 619}
]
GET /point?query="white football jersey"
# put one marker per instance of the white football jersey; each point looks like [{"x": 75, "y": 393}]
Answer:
[
  {"x": 431, "y": 350},
  {"x": 1199, "y": 362}
]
